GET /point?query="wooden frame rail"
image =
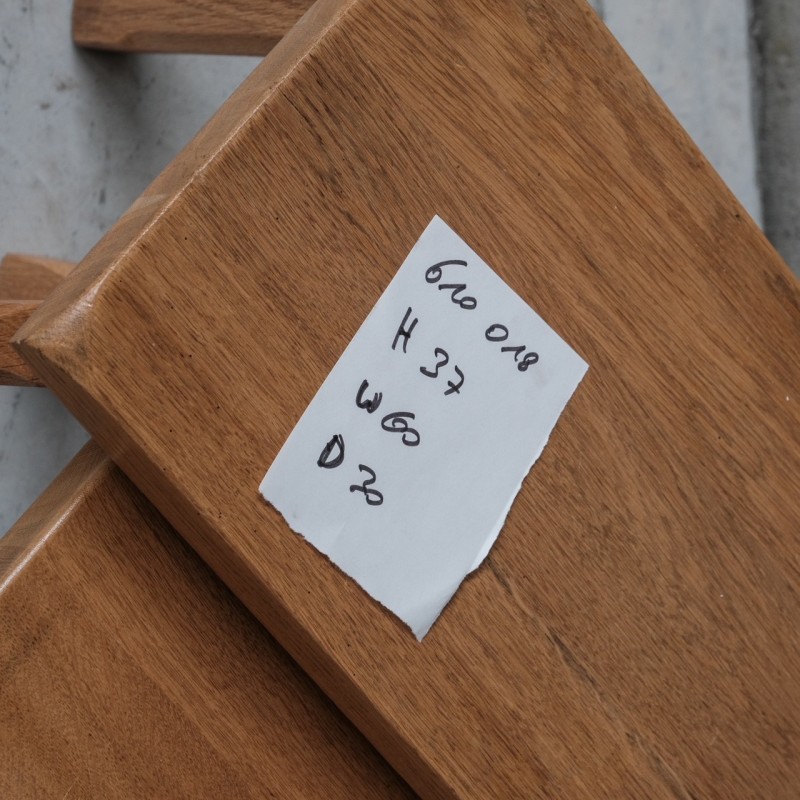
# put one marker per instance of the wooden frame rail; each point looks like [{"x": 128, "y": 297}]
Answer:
[{"x": 226, "y": 27}]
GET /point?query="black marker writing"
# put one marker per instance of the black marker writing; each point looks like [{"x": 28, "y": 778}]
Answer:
[
  {"x": 455, "y": 388},
  {"x": 434, "y": 274},
  {"x": 369, "y": 405},
  {"x": 326, "y": 458},
  {"x": 518, "y": 351},
  {"x": 402, "y": 332},
  {"x": 467, "y": 303},
  {"x": 372, "y": 496},
  {"x": 398, "y": 423},
  {"x": 496, "y": 333},
  {"x": 499, "y": 333},
  {"x": 442, "y": 362}
]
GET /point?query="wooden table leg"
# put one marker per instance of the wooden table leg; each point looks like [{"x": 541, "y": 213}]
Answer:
[
  {"x": 231, "y": 27},
  {"x": 24, "y": 282}
]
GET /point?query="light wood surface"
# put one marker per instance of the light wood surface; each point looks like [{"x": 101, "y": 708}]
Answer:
[
  {"x": 24, "y": 281},
  {"x": 633, "y": 632},
  {"x": 129, "y": 670},
  {"x": 28, "y": 277},
  {"x": 227, "y": 27},
  {"x": 14, "y": 370}
]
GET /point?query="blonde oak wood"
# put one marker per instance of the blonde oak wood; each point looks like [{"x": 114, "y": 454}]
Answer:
[
  {"x": 14, "y": 370},
  {"x": 24, "y": 281},
  {"x": 30, "y": 277},
  {"x": 226, "y": 27},
  {"x": 129, "y": 670},
  {"x": 633, "y": 632}
]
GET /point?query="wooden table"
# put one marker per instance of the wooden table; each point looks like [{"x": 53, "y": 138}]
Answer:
[
  {"x": 129, "y": 670},
  {"x": 634, "y": 630}
]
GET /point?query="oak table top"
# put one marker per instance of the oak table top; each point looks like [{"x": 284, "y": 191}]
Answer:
[
  {"x": 129, "y": 670},
  {"x": 633, "y": 631}
]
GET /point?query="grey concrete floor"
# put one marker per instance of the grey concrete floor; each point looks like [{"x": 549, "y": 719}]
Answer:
[{"x": 82, "y": 133}]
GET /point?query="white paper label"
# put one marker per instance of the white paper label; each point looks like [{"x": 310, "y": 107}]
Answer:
[{"x": 404, "y": 466}]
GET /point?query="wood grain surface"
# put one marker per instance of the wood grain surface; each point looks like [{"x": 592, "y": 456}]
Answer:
[
  {"x": 226, "y": 27},
  {"x": 14, "y": 370},
  {"x": 29, "y": 277},
  {"x": 129, "y": 670},
  {"x": 24, "y": 281},
  {"x": 633, "y": 632}
]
